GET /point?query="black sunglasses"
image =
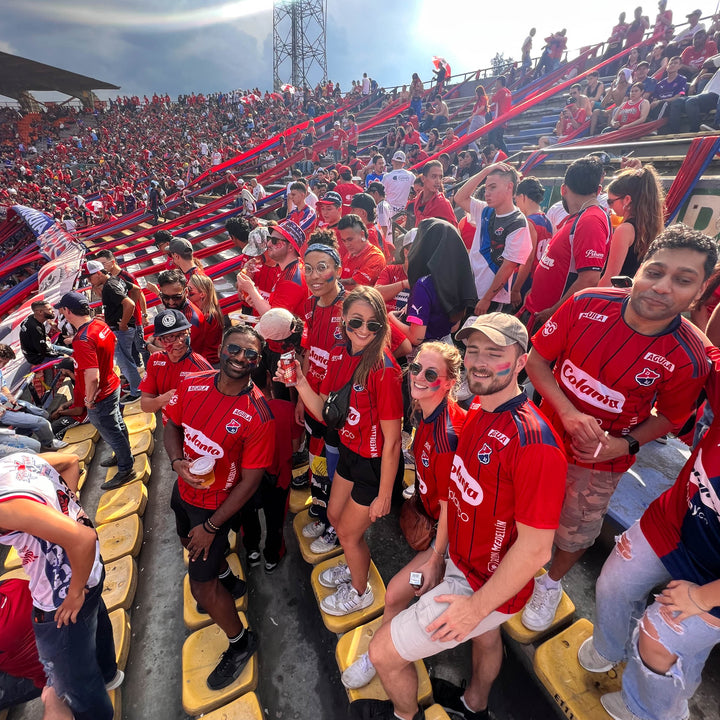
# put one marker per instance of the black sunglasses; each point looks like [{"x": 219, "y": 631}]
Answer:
[
  {"x": 249, "y": 353},
  {"x": 176, "y": 298},
  {"x": 373, "y": 326},
  {"x": 430, "y": 374}
]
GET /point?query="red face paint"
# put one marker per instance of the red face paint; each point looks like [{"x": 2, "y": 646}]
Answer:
[{"x": 503, "y": 370}]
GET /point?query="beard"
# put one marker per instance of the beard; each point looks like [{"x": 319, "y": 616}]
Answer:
[{"x": 490, "y": 385}]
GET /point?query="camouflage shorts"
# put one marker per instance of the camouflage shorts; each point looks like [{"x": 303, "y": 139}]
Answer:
[{"x": 587, "y": 497}]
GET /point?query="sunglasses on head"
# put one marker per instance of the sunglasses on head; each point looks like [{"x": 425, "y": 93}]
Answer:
[
  {"x": 431, "y": 375},
  {"x": 373, "y": 326},
  {"x": 249, "y": 353},
  {"x": 176, "y": 298}
]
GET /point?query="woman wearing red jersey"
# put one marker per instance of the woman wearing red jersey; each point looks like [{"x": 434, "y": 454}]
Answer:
[
  {"x": 201, "y": 291},
  {"x": 633, "y": 111},
  {"x": 432, "y": 377},
  {"x": 370, "y": 445}
]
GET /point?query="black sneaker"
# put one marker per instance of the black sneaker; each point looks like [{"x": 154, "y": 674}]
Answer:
[
  {"x": 253, "y": 558},
  {"x": 129, "y": 399},
  {"x": 377, "y": 710},
  {"x": 110, "y": 462},
  {"x": 270, "y": 567},
  {"x": 231, "y": 664},
  {"x": 300, "y": 458},
  {"x": 118, "y": 480},
  {"x": 301, "y": 481},
  {"x": 449, "y": 696}
]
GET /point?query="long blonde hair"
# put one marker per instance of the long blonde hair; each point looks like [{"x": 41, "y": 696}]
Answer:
[{"x": 209, "y": 304}]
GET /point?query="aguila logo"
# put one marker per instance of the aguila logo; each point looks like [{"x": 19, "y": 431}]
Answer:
[
  {"x": 647, "y": 377},
  {"x": 484, "y": 454},
  {"x": 233, "y": 426}
]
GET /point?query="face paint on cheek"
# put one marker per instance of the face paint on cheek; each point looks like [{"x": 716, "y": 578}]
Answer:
[
  {"x": 503, "y": 370},
  {"x": 436, "y": 384}
]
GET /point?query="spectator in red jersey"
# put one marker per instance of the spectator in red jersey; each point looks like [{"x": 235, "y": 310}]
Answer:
[
  {"x": 431, "y": 202},
  {"x": 694, "y": 57},
  {"x": 166, "y": 369},
  {"x": 641, "y": 381},
  {"x": 393, "y": 283},
  {"x": 632, "y": 112},
  {"x": 572, "y": 117},
  {"x": 500, "y": 104},
  {"x": 491, "y": 155},
  {"x": 617, "y": 36},
  {"x": 504, "y": 496},
  {"x": 363, "y": 260},
  {"x": 478, "y": 116},
  {"x": 433, "y": 376},
  {"x": 370, "y": 442},
  {"x": 223, "y": 417},
  {"x": 636, "y": 29},
  {"x": 338, "y": 141},
  {"x": 301, "y": 214},
  {"x": 365, "y": 207},
  {"x": 346, "y": 188},
  {"x": 663, "y": 20},
  {"x": 329, "y": 210},
  {"x": 353, "y": 134},
  {"x": 201, "y": 291}
]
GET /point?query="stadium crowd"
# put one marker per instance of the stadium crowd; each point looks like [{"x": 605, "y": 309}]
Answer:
[{"x": 529, "y": 355}]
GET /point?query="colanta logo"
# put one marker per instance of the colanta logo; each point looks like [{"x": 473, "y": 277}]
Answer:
[
  {"x": 202, "y": 444},
  {"x": 589, "y": 389}
]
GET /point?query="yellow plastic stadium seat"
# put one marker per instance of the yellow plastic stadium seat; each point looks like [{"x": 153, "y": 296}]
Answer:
[
  {"x": 299, "y": 522},
  {"x": 436, "y": 712},
  {"x": 121, "y": 537},
  {"x": 79, "y": 433},
  {"x": 193, "y": 619},
  {"x": 233, "y": 542},
  {"x": 81, "y": 479},
  {"x": 121, "y": 635},
  {"x": 116, "y": 700},
  {"x": 345, "y": 623},
  {"x": 200, "y": 654},
  {"x": 12, "y": 560},
  {"x": 141, "y": 466},
  {"x": 353, "y": 644},
  {"x": 142, "y": 442},
  {"x": 141, "y": 421},
  {"x": 132, "y": 408},
  {"x": 84, "y": 451},
  {"x": 17, "y": 574},
  {"x": 517, "y": 631},
  {"x": 121, "y": 502},
  {"x": 409, "y": 476},
  {"x": 4, "y": 714},
  {"x": 246, "y": 707},
  {"x": 299, "y": 500},
  {"x": 121, "y": 577},
  {"x": 574, "y": 689},
  {"x": 298, "y": 471}
]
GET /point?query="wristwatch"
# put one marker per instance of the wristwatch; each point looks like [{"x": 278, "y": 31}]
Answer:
[{"x": 634, "y": 445}]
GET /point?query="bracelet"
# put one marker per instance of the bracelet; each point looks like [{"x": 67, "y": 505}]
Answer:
[
  {"x": 209, "y": 530},
  {"x": 172, "y": 462},
  {"x": 442, "y": 555},
  {"x": 214, "y": 527},
  {"x": 692, "y": 600}
]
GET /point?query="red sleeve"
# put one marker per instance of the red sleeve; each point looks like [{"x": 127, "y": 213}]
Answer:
[
  {"x": 590, "y": 243},
  {"x": 149, "y": 383},
  {"x": 388, "y": 388},
  {"x": 539, "y": 478},
  {"x": 397, "y": 337},
  {"x": 329, "y": 382},
  {"x": 289, "y": 295},
  {"x": 369, "y": 272},
  {"x": 259, "y": 447},
  {"x": 551, "y": 339},
  {"x": 85, "y": 355}
]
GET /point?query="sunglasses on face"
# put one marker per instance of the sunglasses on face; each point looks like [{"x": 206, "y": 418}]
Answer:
[
  {"x": 275, "y": 240},
  {"x": 373, "y": 326},
  {"x": 174, "y": 298},
  {"x": 249, "y": 353},
  {"x": 431, "y": 375}
]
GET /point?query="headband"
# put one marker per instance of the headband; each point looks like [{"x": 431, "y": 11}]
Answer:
[{"x": 327, "y": 249}]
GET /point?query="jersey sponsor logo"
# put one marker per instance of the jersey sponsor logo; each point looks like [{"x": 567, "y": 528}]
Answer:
[
  {"x": 549, "y": 328},
  {"x": 358, "y": 388},
  {"x": 202, "y": 443},
  {"x": 104, "y": 333},
  {"x": 453, "y": 498},
  {"x": 594, "y": 254},
  {"x": 319, "y": 357},
  {"x": 353, "y": 417},
  {"x": 660, "y": 360},
  {"x": 338, "y": 334},
  {"x": 241, "y": 413},
  {"x": 598, "y": 317},
  {"x": 499, "y": 537},
  {"x": 586, "y": 388},
  {"x": 469, "y": 487},
  {"x": 27, "y": 556},
  {"x": 484, "y": 454},
  {"x": 475, "y": 406},
  {"x": 504, "y": 439},
  {"x": 647, "y": 377},
  {"x": 233, "y": 426},
  {"x": 173, "y": 399},
  {"x": 424, "y": 459},
  {"x": 198, "y": 388},
  {"x": 159, "y": 363},
  {"x": 547, "y": 262}
]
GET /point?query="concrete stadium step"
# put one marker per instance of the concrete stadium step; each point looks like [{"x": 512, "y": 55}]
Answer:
[
  {"x": 355, "y": 643},
  {"x": 345, "y": 623},
  {"x": 121, "y": 577},
  {"x": 120, "y": 621},
  {"x": 573, "y": 688},
  {"x": 121, "y": 537},
  {"x": 141, "y": 466},
  {"x": 246, "y": 707},
  {"x": 200, "y": 654},
  {"x": 121, "y": 502},
  {"x": 299, "y": 522}
]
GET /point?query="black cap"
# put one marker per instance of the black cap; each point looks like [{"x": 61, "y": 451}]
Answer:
[
  {"x": 169, "y": 321},
  {"x": 75, "y": 302},
  {"x": 364, "y": 202}
]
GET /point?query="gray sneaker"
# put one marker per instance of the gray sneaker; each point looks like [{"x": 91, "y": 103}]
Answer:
[
  {"x": 591, "y": 659},
  {"x": 334, "y": 576},
  {"x": 325, "y": 543}
]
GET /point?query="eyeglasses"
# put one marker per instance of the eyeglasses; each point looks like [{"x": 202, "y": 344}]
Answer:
[
  {"x": 170, "y": 339},
  {"x": 249, "y": 353},
  {"x": 176, "y": 298},
  {"x": 373, "y": 326},
  {"x": 431, "y": 375},
  {"x": 320, "y": 268},
  {"x": 275, "y": 240},
  {"x": 612, "y": 201}
]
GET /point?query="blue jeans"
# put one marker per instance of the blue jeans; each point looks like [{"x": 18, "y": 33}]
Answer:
[
  {"x": 79, "y": 658},
  {"x": 125, "y": 360},
  {"x": 16, "y": 690},
  {"x": 33, "y": 421},
  {"x": 621, "y": 593},
  {"x": 12, "y": 443},
  {"x": 106, "y": 417}
]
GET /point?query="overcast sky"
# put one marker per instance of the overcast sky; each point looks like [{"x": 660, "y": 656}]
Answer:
[{"x": 180, "y": 46}]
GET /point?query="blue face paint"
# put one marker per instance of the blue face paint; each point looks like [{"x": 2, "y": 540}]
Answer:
[{"x": 504, "y": 370}]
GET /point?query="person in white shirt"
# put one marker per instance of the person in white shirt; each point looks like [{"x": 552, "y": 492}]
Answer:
[
  {"x": 376, "y": 190},
  {"x": 257, "y": 189},
  {"x": 398, "y": 183}
]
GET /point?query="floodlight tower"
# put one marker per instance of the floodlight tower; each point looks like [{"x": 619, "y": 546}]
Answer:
[{"x": 299, "y": 56}]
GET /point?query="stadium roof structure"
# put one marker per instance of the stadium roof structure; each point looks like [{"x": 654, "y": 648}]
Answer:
[{"x": 18, "y": 75}]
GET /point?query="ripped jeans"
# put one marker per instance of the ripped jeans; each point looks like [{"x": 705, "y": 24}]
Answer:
[{"x": 621, "y": 593}]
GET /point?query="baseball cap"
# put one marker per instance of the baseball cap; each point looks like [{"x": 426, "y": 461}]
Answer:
[
  {"x": 179, "y": 245},
  {"x": 336, "y": 123},
  {"x": 292, "y": 232},
  {"x": 75, "y": 302},
  {"x": 93, "y": 266},
  {"x": 364, "y": 202},
  {"x": 330, "y": 198},
  {"x": 276, "y": 324},
  {"x": 694, "y": 12},
  {"x": 257, "y": 242},
  {"x": 343, "y": 169},
  {"x": 409, "y": 237},
  {"x": 399, "y": 156},
  {"x": 501, "y": 328},
  {"x": 169, "y": 321}
]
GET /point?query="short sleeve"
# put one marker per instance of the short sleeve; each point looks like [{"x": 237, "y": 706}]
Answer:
[
  {"x": 85, "y": 355},
  {"x": 551, "y": 339},
  {"x": 441, "y": 473},
  {"x": 419, "y": 304},
  {"x": 288, "y": 295},
  {"x": 370, "y": 270},
  {"x": 518, "y": 246},
  {"x": 388, "y": 389},
  {"x": 590, "y": 243},
  {"x": 476, "y": 208},
  {"x": 173, "y": 410},
  {"x": 539, "y": 477},
  {"x": 259, "y": 448},
  {"x": 149, "y": 383}
]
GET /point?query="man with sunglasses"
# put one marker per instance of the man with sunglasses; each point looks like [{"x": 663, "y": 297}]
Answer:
[
  {"x": 165, "y": 369},
  {"x": 219, "y": 415}
]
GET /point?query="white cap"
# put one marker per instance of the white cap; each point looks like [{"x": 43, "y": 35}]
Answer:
[
  {"x": 276, "y": 324},
  {"x": 93, "y": 266},
  {"x": 399, "y": 156}
]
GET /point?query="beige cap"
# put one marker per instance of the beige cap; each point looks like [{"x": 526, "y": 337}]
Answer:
[{"x": 501, "y": 328}]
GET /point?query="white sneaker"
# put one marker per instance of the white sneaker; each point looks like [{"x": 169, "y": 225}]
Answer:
[
  {"x": 591, "y": 659},
  {"x": 58, "y": 444},
  {"x": 314, "y": 529},
  {"x": 116, "y": 682},
  {"x": 409, "y": 491},
  {"x": 346, "y": 600},
  {"x": 325, "y": 543},
  {"x": 359, "y": 674},
  {"x": 540, "y": 610},
  {"x": 335, "y": 576},
  {"x": 616, "y": 708}
]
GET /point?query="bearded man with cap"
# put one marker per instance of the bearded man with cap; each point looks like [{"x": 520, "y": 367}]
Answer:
[
  {"x": 97, "y": 386},
  {"x": 165, "y": 369},
  {"x": 505, "y": 492}
]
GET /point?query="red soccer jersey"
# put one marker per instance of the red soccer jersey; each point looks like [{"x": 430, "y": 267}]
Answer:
[
  {"x": 346, "y": 190},
  {"x": 94, "y": 347},
  {"x": 162, "y": 374},
  {"x": 364, "y": 268},
  {"x": 509, "y": 468},
  {"x": 213, "y": 338},
  {"x": 320, "y": 334},
  {"x": 198, "y": 327},
  {"x": 289, "y": 292},
  {"x": 380, "y": 400},
  {"x": 286, "y": 430},
  {"x": 615, "y": 374},
  {"x": 438, "y": 206},
  {"x": 389, "y": 275},
  {"x": 237, "y": 431},
  {"x": 581, "y": 243},
  {"x": 434, "y": 446},
  {"x": 501, "y": 102}
]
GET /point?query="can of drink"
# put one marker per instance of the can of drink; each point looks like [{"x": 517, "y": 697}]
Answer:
[
  {"x": 204, "y": 467},
  {"x": 287, "y": 365}
]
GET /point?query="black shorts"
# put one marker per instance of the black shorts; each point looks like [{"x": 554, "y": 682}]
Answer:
[
  {"x": 186, "y": 518},
  {"x": 315, "y": 427},
  {"x": 364, "y": 474}
]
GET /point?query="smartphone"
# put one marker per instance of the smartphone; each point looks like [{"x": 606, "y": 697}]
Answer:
[
  {"x": 621, "y": 281},
  {"x": 416, "y": 579}
]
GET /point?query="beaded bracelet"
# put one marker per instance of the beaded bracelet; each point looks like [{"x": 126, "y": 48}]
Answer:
[{"x": 209, "y": 530}]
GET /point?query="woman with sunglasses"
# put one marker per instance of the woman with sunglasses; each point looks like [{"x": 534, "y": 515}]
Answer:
[
  {"x": 201, "y": 291},
  {"x": 370, "y": 442},
  {"x": 432, "y": 378}
]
